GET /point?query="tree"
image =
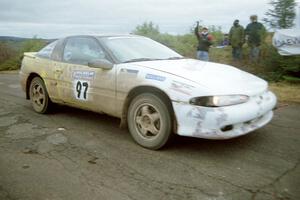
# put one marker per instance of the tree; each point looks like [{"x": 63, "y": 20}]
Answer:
[
  {"x": 282, "y": 15},
  {"x": 147, "y": 29}
]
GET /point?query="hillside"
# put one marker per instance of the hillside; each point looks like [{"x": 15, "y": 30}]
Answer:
[{"x": 12, "y": 39}]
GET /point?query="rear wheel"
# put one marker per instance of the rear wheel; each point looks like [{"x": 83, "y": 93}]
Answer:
[
  {"x": 149, "y": 121},
  {"x": 39, "y": 96}
]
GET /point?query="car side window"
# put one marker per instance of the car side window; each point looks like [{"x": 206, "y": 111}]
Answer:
[
  {"x": 81, "y": 50},
  {"x": 47, "y": 50}
]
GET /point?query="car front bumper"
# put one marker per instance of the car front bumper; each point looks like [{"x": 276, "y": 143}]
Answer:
[{"x": 224, "y": 122}]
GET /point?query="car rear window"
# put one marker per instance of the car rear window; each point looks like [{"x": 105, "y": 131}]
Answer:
[{"x": 47, "y": 50}]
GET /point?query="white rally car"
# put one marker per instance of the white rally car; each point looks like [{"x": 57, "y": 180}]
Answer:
[{"x": 154, "y": 90}]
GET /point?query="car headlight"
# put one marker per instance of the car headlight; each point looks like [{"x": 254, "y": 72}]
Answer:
[{"x": 217, "y": 101}]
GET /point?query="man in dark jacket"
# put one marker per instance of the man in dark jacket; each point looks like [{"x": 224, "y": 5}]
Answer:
[
  {"x": 204, "y": 42},
  {"x": 255, "y": 32},
  {"x": 236, "y": 39}
]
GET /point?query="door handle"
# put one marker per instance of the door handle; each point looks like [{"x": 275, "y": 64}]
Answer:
[{"x": 58, "y": 71}]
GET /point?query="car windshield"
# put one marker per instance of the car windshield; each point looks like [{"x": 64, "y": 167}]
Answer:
[{"x": 134, "y": 49}]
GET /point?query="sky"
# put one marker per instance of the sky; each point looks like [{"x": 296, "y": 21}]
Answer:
[{"x": 59, "y": 18}]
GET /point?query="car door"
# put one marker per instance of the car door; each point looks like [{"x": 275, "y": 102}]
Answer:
[{"x": 83, "y": 86}]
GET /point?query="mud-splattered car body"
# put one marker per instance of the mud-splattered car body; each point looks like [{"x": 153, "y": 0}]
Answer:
[{"x": 241, "y": 101}]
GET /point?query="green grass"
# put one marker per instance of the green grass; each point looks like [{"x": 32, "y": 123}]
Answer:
[{"x": 286, "y": 92}]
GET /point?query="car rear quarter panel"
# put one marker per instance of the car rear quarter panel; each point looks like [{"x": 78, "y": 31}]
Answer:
[{"x": 32, "y": 64}]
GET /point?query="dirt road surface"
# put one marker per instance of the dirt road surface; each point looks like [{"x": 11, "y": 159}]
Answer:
[{"x": 73, "y": 154}]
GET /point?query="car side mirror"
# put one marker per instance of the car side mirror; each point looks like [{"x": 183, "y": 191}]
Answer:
[{"x": 101, "y": 63}]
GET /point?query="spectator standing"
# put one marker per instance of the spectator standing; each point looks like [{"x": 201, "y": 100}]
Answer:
[
  {"x": 236, "y": 39},
  {"x": 204, "y": 42},
  {"x": 255, "y": 32}
]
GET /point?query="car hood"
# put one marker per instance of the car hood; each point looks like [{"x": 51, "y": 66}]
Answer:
[{"x": 222, "y": 79}]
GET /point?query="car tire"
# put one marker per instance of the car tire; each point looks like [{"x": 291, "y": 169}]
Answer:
[
  {"x": 149, "y": 121},
  {"x": 39, "y": 97}
]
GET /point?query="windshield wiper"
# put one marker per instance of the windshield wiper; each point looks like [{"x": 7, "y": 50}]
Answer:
[
  {"x": 175, "y": 58},
  {"x": 139, "y": 59}
]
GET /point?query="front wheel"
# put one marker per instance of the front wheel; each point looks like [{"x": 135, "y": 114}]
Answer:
[
  {"x": 40, "y": 100},
  {"x": 149, "y": 121}
]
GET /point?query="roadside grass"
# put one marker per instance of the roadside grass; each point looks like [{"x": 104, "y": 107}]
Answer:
[
  {"x": 286, "y": 92},
  {"x": 11, "y": 64},
  {"x": 15, "y": 71}
]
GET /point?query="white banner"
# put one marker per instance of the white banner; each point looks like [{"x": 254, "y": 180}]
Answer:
[{"x": 287, "y": 41}]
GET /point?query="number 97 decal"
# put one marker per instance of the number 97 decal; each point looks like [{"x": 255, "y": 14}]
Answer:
[{"x": 81, "y": 89}]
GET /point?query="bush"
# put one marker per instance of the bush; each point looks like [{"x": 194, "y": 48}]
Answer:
[
  {"x": 217, "y": 34},
  {"x": 281, "y": 67},
  {"x": 11, "y": 59}
]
